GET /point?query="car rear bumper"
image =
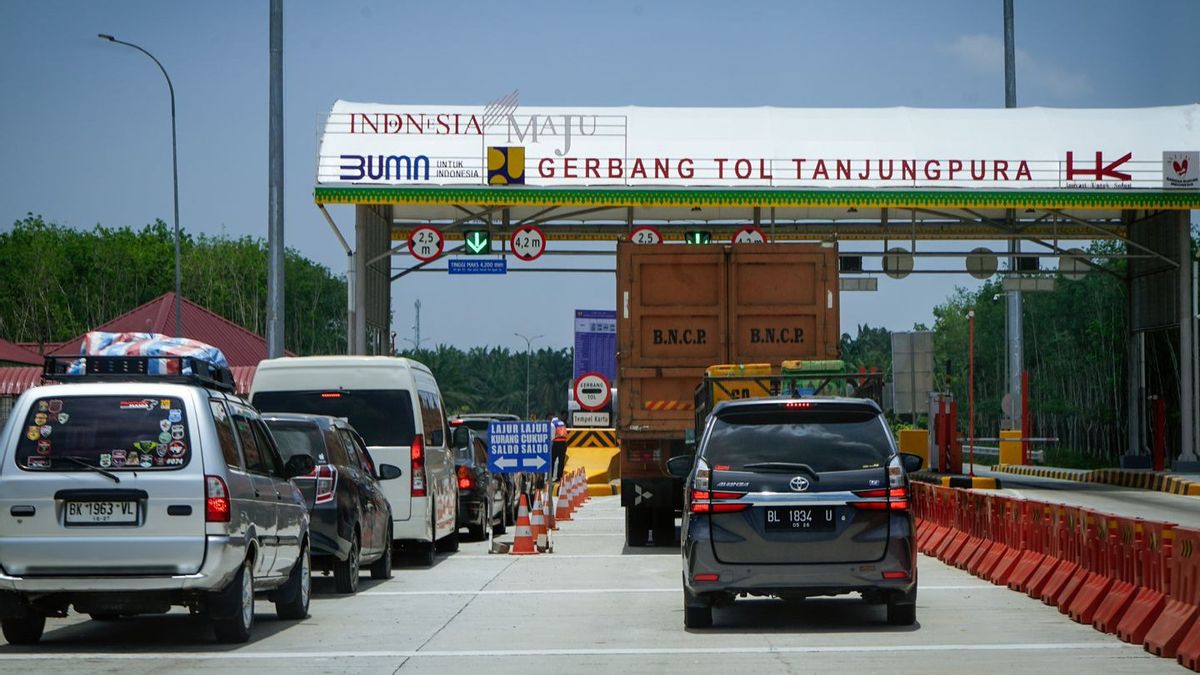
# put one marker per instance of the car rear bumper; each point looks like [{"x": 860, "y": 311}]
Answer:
[
  {"x": 223, "y": 557},
  {"x": 804, "y": 578}
]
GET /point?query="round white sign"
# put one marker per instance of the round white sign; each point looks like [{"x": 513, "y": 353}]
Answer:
[
  {"x": 528, "y": 243},
  {"x": 749, "y": 234},
  {"x": 645, "y": 235},
  {"x": 897, "y": 263},
  {"x": 982, "y": 263},
  {"x": 426, "y": 243},
  {"x": 592, "y": 391},
  {"x": 1072, "y": 265}
]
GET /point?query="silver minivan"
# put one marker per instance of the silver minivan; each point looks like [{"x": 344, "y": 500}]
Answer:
[{"x": 125, "y": 494}]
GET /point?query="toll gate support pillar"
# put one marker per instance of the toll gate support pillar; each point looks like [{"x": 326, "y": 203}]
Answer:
[{"x": 1189, "y": 435}]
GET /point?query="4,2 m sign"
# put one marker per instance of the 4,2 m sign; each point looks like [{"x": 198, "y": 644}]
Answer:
[{"x": 528, "y": 243}]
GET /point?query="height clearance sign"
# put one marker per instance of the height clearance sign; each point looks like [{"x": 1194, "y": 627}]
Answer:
[
  {"x": 1024, "y": 148},
  {"x": 519, "y": 446}
]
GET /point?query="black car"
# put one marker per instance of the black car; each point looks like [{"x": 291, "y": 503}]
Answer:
[
  {"x": 795, "y": 498},
  {"x": 512, "y": 484},
  {"x": 482, "y": 495},
  {"x": 350, "y": 518}
]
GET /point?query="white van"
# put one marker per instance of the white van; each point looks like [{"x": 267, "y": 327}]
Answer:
[{"x": 396, "y": 406}]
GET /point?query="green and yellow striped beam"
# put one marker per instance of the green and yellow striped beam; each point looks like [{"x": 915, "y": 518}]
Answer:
[{"x": 766, "y": 198}]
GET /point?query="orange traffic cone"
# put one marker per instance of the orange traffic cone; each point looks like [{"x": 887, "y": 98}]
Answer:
[
  {"x": 523, "y": 542},
  {"x": 578, "y": 487},
  {"x": 562, "y": 511}
]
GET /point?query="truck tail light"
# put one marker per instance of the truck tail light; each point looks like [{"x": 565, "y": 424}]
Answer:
[
  {"x": 418, "y": 466},
  {"x": 216, "y": 503}
]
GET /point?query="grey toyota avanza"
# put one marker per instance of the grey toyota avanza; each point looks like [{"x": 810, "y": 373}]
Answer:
[{"x": 795, "y": 498}]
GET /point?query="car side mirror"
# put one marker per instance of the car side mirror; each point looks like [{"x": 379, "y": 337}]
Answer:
[
  {"x": 298, "y": 465},
  {"x": 911, "y": 462},
  {"x": 680, "y": 466},
  {"x": 389, "y": 472}
]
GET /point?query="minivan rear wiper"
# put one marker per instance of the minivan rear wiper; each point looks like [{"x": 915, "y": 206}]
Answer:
[
  {"x": 93, "y": 467},
  {"x": 784, "y": 466}
]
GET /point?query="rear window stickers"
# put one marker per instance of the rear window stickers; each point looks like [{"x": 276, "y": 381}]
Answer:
[
  {"x": 33, "y": 433},
  {"x": 40, "y": 418},
  {"x": 55, "y": 406},
  {"x": 118, "y": 457},
  {"x": 37, "y": 462},
  {"x": 175, "y": 415},
  {"x": 63, "y": 418}
]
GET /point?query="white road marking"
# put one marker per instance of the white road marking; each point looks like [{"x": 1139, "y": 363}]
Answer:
[
  {"x": 44, "y": 655},
  {"x": 578, "y": 591}
]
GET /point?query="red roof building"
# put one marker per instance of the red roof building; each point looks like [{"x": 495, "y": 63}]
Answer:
[
  {"x": 243, "y": 349},
  {"x": 12, "y": 354}
]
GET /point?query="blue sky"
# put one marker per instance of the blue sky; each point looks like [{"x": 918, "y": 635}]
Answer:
[{"x": 86, "y": 132}]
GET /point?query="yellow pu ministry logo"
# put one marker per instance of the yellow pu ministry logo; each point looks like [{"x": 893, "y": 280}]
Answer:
[{"x": 506, "y": 165}]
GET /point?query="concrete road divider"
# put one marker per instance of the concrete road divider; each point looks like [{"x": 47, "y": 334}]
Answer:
[{"x": 1139, "y": 579}]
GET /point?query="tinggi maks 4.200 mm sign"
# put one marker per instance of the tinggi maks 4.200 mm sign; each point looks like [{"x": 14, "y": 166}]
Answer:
[{"x": 519, "y": 446}]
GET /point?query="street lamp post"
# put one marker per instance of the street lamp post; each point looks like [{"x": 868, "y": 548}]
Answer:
[
  {"x": 174, "y": 176},
  {"x": 528, "y": 350}
]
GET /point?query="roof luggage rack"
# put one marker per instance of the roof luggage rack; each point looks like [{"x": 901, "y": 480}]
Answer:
[{"x": 175, "y": 369}]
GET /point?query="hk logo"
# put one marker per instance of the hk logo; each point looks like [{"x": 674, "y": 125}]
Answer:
[{"x": 1098, "y": 171}]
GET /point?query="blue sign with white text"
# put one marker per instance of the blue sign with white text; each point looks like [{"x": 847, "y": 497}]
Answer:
[
  {"x": 519, "y": 446},
  {"x": 478, "y": 266},
  {"x": 596, "y": 342}
]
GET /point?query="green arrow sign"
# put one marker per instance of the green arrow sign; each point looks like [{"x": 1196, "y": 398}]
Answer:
[
  {"x": 479, "y": 242},
  {"x": 697, "y": 237}
]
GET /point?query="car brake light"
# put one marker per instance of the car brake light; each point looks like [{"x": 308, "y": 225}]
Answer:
[
  {"x": 709, "y": 502},
  {"x": 216, "y": 503},
  {"x": 326, "y": 480},
  {"x": 706, "y": 577},
  {"x": 331, "y": 394},
  {"x": 895, "y": 575},
  {"x": 465, "y": 480},
  {"x": 456, "y": 423},
  {"x": 897, "y": 499},
  {"x": 798, "y": 404},
  {"x": 418, "y": 466}
]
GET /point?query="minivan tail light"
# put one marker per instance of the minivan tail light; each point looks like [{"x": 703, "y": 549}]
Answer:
[
  {"x": 418, "y": 466},
  {"x": 326, "y": 482},
  {"x": 897, "y": 499},
  {"x": 704, "y": 501},
  {"x": 216, "y": 502}
]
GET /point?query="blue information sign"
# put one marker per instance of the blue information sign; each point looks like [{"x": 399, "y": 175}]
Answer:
[
  {"x": 596, "y": 342},
  {"x": 478, "y": 266},
  {"x": 519, "y": 446}
]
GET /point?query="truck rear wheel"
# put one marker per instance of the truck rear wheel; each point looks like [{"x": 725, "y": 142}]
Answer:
[{"x": 637, "y": 526}]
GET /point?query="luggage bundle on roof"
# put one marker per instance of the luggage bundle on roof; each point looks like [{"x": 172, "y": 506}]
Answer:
[{"x": 124, "y": 356}]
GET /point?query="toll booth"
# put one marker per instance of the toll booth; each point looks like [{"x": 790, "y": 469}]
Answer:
[{"x": 945, "y": 450}]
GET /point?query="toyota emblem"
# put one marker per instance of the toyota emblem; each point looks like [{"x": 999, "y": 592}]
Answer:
[{"x": 799, "y": 484}]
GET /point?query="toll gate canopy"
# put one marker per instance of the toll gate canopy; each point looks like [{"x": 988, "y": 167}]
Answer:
[{"x": 1035, "y": 176}]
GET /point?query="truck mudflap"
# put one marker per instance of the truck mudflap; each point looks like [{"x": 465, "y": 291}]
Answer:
[{"x": 651, "y": 493}]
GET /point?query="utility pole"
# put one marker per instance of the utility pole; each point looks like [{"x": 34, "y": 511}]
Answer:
[
  {"x": 1016, "y": 360},
  {"x": 528, "y": 353},
  {"x": 275, "y": 188}
]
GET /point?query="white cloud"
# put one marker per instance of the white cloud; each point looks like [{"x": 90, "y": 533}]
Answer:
[{"x": 985, "y": 54}]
